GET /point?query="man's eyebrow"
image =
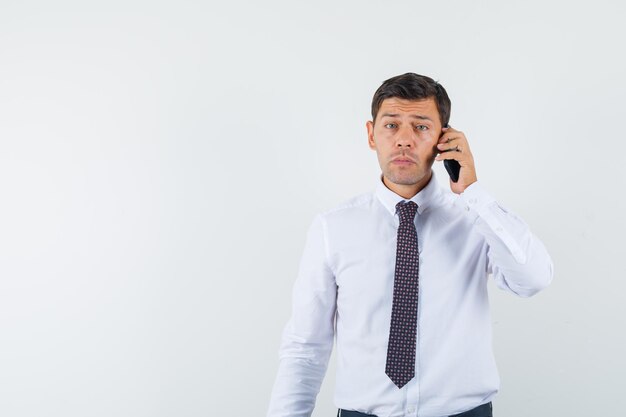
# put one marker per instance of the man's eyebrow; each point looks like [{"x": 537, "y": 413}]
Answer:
[{"x": 415, "y": 116}]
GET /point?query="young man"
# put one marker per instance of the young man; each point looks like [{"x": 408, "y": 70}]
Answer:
[{"x": 399, "y": 276}]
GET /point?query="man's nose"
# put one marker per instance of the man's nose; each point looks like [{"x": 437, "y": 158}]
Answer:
[{"x": 405, "y": 137}]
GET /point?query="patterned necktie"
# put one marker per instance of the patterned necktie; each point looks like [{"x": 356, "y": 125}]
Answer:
[{"x": 402, "y": 344}]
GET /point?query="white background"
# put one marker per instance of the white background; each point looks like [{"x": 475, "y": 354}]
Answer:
[{"x": 160, "y": 163}]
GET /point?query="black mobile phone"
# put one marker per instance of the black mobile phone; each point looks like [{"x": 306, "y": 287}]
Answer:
[{"x": 453, "y": 167}]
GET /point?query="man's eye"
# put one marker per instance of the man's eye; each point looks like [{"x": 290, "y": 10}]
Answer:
[
  {"x": 390, "y": 125},
  {"x": 421, "y": 127}
]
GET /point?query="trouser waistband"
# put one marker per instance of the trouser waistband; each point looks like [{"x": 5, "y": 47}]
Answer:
[{"x": 484, "y": 410}]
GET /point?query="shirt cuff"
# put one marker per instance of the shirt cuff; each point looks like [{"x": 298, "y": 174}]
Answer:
[
  {"x": 480, "y": 205},
  {"x": 475, "y": 200}
]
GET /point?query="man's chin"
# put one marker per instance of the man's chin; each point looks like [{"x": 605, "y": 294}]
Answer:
[{"x": 409, "y": 179}]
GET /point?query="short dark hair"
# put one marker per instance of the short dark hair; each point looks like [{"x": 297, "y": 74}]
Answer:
[{"x": 411, "y": 86}]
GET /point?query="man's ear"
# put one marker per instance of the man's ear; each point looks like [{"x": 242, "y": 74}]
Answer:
[{"x": 370, "y": 134}]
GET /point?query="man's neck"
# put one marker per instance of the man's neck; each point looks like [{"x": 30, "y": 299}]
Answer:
[{"x": 409, "y": 190}]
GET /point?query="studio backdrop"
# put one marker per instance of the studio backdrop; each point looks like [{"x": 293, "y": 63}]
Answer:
[{"x": 161, "y": 161}]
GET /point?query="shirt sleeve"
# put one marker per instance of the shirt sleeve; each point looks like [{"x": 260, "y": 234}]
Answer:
[
  {"x": 307, "y": 339},
  {"x": 517, "y": 259}
]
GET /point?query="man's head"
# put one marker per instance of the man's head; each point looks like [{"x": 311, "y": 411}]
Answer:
[
  {"x": 408, "y": 113},
  {"x": 411, "y": 86}
]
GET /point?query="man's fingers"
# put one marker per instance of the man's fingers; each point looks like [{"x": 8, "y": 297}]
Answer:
[
  {"x": 454, "y": 152},
  {"x": 448, "y": 155},
  {"x": 442, "y": 147},
  {"x": 451, "y": 145},
  {"x": 450, "y": 136}
]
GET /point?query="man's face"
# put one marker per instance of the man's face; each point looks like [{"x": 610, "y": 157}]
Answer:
[{"x": 404, "y": 136}]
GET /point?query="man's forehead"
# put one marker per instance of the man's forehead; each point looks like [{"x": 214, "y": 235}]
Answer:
[{"x": 408, "y": 106}]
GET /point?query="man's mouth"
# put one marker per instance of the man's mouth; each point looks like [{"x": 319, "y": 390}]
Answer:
[{"x": 402, "y": 161}]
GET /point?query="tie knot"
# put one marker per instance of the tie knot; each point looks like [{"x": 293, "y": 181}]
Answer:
[{"x": 406, "y": 210}]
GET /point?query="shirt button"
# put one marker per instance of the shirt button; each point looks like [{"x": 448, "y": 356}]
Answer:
[
  {"x": 498, "y": 229},
  {"x": 411, "y": 409}
]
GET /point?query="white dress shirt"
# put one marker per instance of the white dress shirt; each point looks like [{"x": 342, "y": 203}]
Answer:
[{"x": 344, "y": 289}]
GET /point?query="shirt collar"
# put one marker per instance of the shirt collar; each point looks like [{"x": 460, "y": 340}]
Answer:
[{"x": 426, "y": 197}]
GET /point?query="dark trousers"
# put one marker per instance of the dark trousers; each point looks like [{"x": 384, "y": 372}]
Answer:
[{"x": 484, "y": 410}]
